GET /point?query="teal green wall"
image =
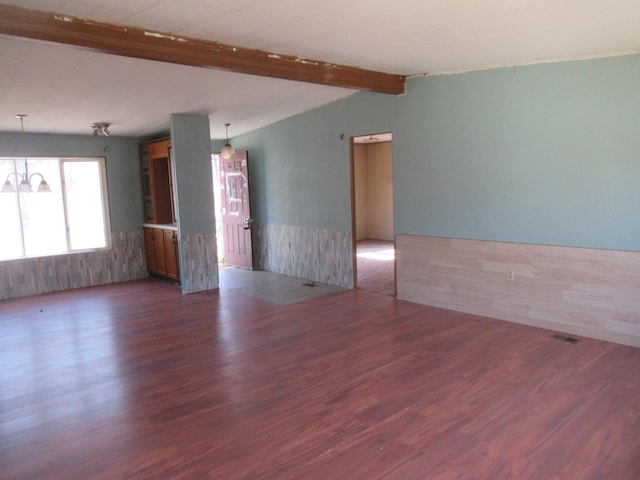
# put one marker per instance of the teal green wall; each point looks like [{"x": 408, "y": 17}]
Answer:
[
  {"x": 123, "y": 171},
  {"x": 299, "y": 167},
  {"x": 193, "y": 196},
  {"x": 545, "y": 154},
  {"x": 193, "y": 177}
]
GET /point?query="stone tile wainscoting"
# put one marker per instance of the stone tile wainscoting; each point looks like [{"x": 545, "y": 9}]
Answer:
[
  {"x": 319, "y": 255},
  {"x": 198, "y": 262},
  {"x": 32, "y": 276},
  {"x": 582, "y": 291}
]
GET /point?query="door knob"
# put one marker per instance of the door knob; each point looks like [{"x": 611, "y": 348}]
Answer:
[{"x": 247, "y": 223}]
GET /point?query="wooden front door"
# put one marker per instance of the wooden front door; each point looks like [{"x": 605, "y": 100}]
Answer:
[{"x": 235, "y": 210}]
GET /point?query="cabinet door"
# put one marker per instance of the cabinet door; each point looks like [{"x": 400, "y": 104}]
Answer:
[
  {"x": 150, "y": 250},
  {"x": 160, "y": 149},
  {"x": 158, "y": 246},
  {"x": 147, "y": 184},
  {"x": 162, "y": 198},
  {"x": 171, "y": 254},
  {"x": 157, "y": 189}
]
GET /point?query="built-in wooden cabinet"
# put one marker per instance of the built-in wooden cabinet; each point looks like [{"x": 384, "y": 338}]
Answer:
[
  {"x": 157, "y": 182},
  {"x": 160, "y": 233},
  {"x": 161, "y": 248},
  {"x": 171, "y": 254},
  {"x": 150, "y": 249}
]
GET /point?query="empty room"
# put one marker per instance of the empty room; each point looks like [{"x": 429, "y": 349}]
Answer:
[{"x": 180, "y": 290}]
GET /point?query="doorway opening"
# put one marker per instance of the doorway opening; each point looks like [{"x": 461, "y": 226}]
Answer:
[
  {"x": 372, "y": 213},
  {"x": 215, "y": 168},
  {"x": 233, "y": 212}
]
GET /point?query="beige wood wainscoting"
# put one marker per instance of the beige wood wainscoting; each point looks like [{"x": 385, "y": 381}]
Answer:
[{"x": 581, "y": 291}]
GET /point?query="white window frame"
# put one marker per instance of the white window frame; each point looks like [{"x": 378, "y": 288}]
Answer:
[{"x": 104, "y": 202}]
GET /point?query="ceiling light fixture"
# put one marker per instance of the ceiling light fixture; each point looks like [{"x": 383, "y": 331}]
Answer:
[
  {"x": 101, "y": 128},
  {"x": 25, "y": 178},
  {"x": 227, "y": 151}
]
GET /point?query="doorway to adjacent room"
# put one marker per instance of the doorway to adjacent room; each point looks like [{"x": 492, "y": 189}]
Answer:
[
  {"x": 372, "y": 213},
  {"x": 233, "y": 212}
]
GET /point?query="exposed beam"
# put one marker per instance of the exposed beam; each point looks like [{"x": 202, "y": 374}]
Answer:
[{"x": 149, "y": 44}]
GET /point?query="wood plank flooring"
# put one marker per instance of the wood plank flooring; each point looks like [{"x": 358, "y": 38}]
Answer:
[{"x": 138, "y": 381}]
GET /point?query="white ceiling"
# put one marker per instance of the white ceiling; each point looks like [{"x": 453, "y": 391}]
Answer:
[{"x": 64, "y": 89}]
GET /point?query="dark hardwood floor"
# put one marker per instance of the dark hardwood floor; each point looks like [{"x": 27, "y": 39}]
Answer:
[{"x": 137, "y": 381}]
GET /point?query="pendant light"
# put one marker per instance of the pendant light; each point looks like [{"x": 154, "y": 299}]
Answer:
[
  {"x": 227, "y": 151},
  {"x": 25, "y": 178}
]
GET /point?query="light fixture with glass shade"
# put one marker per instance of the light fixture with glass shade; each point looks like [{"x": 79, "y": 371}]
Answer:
[
  {"x": 227, "y": 151},
  {"x": 100, "y": 128},
  {"x": 24, "y": 178}
]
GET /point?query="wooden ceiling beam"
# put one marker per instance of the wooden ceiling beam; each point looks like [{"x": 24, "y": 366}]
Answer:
[{"x": 149, "y": 44}]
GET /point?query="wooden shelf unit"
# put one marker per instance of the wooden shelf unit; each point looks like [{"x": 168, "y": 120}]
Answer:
[
  {"x": 160, "y": 235},
  {"x": 157, "y": 182}
]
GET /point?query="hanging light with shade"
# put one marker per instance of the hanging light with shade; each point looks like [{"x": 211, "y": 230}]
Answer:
[
  {"x": 227, "y": 151},
  {"x": 25, "y": 179}
]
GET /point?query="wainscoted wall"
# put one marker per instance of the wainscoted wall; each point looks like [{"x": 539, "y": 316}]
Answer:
[
  {"x": 587, "y": 292},
  {"x": 31, "y": 276},
  {"x": 316, "y": 254},
  {"x": 198, "y": 262}
]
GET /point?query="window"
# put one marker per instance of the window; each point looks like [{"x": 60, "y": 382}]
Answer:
[{"x": 72, "y": 217}]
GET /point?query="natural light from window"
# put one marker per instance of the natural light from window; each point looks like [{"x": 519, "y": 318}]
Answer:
[
  {"x": 381, "y": 255},
  {"x": 72, "y": 217}
]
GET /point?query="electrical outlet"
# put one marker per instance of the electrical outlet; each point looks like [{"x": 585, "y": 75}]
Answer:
[{"x": 511, "y": 275}]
